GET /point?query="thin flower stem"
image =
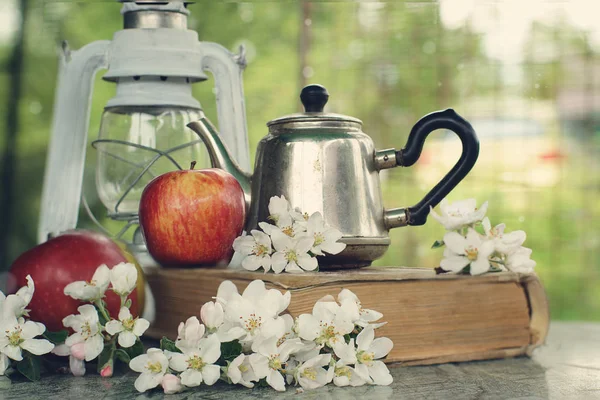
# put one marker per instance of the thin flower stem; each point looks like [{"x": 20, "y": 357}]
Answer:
[{"x": 100, "y": 306}]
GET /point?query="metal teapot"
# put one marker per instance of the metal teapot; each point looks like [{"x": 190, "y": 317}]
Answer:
[{"x": 324, "y": 162}]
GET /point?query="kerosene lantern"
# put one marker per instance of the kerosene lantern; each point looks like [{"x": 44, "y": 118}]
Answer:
[{"x": 153, "y": 61}]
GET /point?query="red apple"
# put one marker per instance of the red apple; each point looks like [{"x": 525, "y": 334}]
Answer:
[
  {"x": 72, "y": 256},
  {"x": 192, "y": 217}
]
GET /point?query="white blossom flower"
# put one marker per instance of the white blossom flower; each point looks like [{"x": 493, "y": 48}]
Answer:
[
  {"x": 171, "y": 384},
  {"x": 123, "y": 278},
  {"x": 292, "y": 253},
  {"x": 4, "y": 363},
  {"x": 460, "y": 213},
  {"x": 503, "y": 242},
  {"x": 252, "y": 313},
  {"x": 278, "y": 207},
  {"x": 87, "y": 331},
  {"x": 342, "y": 371},
  {"x": 254, "y": 251},
  {"x": 152, "y": 366},
  {"x": 325, "y": 238},
  {"x": 198, "y": 365},
  {"x": 328, "y": 323},
  {"x": 128, "y": 328},
  {"x": 520, "y": 261},
  {"x": 368, "y": 354},
  {"x": 17, "y": 335},
  {"x": 212, "y": 315},
  {"x": 470, "y": 250},
  {"x": 189, "y": 334},
  {"x": 92, "y": 290},
  {"x": 365, "y": 317},
  {"x": 240, "y": 371},
  {"x": 76, "y": 359},
  {"x": 15, "y": 305},
  {"x": 311, "y": 374},
  {"x": 269, "y": 359}
]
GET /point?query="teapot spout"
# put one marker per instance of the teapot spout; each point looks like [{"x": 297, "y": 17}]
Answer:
[{"x": 220, "y": 157}]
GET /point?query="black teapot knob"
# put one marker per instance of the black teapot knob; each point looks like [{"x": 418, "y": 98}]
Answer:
[{"x": 314, "y": 98}]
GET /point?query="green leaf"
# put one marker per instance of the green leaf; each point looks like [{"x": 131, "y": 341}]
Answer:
[
  {"x": 168, "y": 344},
  {"x": 437, "y": 244},
  {"x": 128, "y": 303},
  {"x": 123, "y": 356},
  {"x": 56, "y": 337},
  {"x": 107, "y": 355},
  {"x": 229, "y": 351},
  {"x": 29, "y": 366},
  {"x": 135, "y": 350}
]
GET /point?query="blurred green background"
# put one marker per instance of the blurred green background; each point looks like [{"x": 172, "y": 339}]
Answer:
[{"x": 526, "y": 74}]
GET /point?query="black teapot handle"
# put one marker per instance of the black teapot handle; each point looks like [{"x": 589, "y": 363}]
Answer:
[{"x": 447, "y": 119}]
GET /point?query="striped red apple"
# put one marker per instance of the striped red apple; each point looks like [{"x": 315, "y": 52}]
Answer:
[{"x": 191, "y": 217}]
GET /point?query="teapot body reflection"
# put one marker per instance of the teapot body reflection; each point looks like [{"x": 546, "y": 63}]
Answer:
[{"x": 325, "y": 162}]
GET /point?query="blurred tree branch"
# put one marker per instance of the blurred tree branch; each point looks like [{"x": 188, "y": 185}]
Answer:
[{"x": 15, "y": 70}]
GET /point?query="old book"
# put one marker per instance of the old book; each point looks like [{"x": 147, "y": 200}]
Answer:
[{"x": 430, "y": 318}]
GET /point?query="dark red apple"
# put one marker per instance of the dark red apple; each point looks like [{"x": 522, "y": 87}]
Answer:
[
  {"x": 192, "y": 217},
  {"x": 72, "y": 256}
]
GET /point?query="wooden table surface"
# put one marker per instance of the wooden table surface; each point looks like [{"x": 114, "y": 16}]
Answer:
[{"x": 566, "y": 367}]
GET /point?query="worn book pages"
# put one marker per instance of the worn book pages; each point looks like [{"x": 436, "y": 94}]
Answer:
[{"x": 430, "y": 318}]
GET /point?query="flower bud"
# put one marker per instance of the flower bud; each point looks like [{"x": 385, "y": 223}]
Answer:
[
  {"x": 107, "y": 371},
  {"x": 171, "y": 384},
  {"x": 78, "y": 351}
]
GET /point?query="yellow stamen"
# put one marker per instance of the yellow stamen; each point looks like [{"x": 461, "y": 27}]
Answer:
[
  {"x": 309, "y": 373},
  {"x": 319, "y": 238},
  {"x": 365, "y": 358},
  {"x": 472, "y": 253},
  {"x": 260, "y": 250},
  {"x": 196, "y": 363},
  {"x": 154, "y": 367},
  {"x": 288, "y": 230},
  {"x": 253, "y": 323},
  {"x": 274, "y": 362},
  {"x": 291, "y": 256}
]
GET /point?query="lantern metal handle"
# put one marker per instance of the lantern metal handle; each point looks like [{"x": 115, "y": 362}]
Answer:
[
  {"x": 63, "y": 177},
  {"x": 227, "y": 68}
]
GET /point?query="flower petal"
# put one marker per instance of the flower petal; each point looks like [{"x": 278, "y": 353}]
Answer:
[
  {"x": 211, "y": 374},
  {"x": 147, "y": 381},
  {"x": 333, "y": 248},
  {"x": 380, "y": 373},
  {"x": 127, "y": 339},
  {"x": 138, "y": 363},
  {"x": 281, "y": 241},
  {"x": 191, "y": 378},
  {"x": 93, "y": 347},
  {"x": 275, "y": 380},
  {"x": 211, "y": 349},
  {"x": 13, "y": 352},
  {"x": 381, "y": 347},
  {"x": 480, "y": 266},
  {"x": 307, "y": 262},
  {"x": 140, "y": 326},
  {"x": 37, "y": 346},
  {"x": 455, "y": 242},
  {"x": 454, "y": 263},
  {"x": 113, "y": 327},
  {"x": 260, "y": 365},
  {"x": 365, "y": 338},
  {"x": 178, "y": 362},
  {"x": 124, "y": 314},
  {"x": 278, "y": 262}
]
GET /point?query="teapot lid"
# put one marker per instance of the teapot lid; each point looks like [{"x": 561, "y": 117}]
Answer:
[{"x": 314, "y": 97}]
